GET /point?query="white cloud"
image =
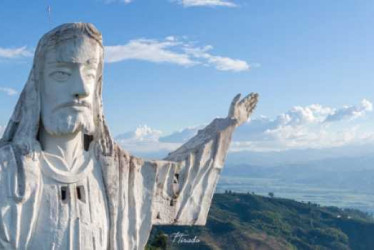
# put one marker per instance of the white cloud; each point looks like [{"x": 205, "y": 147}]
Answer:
[
  {"x": 147, "y": 50},
  {"x": 304, "y": 127},
  {"x": 298, "y": 128},
  {"x": 210, "y": 3},
  {"x": 16, "y": 52},
  {"x": 172, "y": 50},
  {"x": 182, "y": 135},
  {"x": 219, "y": 62},
  {"x": 9, "y": 91},
  {"x": 141, "y": 133},
  {"x": 188, "y": 3},
  {"x": 144, "y": 139},
  {"x": 228, "y": 64},
  {"x": 350, "y": 112},
  {"x": 118, "y": 1}
]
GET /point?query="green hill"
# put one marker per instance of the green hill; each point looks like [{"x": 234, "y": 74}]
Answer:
[{"x": 248, "y": 221}]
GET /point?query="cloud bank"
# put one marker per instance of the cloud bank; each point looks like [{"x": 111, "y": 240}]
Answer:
[
  {"x": 209, "y": 3},
  {"x": 188, "y": 3},
  {"x": 147, "y": 50},
  {"x": 118, "y": 1},
  {"x": 15, "y": 52},
  {"x": 143, "y": 140},
  {"x": 8, "y": 91},
  {"x": 314, "y": 126},
  {"x": 174, "y": 51},
  {"x": 350, "y": 112}
]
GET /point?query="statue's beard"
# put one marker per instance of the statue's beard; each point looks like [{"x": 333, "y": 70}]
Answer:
[{"x": 63, "y": 122}]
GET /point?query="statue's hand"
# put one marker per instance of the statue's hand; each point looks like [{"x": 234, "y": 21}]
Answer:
[{"x": 242, "y": 109}]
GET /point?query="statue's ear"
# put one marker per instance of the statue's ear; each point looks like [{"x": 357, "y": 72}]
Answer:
[{"x": 87, "y": 141}]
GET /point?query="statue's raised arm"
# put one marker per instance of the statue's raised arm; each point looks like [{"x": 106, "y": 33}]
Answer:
[
  {"x": 184, "y": 191},
  {"x": 239, "y": 112}
]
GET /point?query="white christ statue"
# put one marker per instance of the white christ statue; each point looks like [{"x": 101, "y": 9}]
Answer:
[{"x": 64, "y": 182}]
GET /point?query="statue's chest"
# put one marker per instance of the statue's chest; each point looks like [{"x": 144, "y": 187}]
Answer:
[{"x": 73, "y": 211}]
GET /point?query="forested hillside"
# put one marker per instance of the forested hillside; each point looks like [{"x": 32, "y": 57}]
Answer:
[{"x": 248, "y": 221}]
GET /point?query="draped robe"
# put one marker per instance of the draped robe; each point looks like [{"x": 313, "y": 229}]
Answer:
[{"x": 140, "y": 193}]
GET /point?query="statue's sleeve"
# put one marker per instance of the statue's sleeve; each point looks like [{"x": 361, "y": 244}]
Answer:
[
  {"x": 7, "y": 161},
  {"x": 187, "y": 178},
  {"x": 17, "y": 208}
]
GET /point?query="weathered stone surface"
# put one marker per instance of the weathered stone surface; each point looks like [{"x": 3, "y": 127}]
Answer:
[{"x": 64, "y": 182}]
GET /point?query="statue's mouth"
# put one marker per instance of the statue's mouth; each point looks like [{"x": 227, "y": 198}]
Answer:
[{"x": 81, "y": 104}]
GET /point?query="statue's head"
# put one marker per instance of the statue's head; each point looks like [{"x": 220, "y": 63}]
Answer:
[
  {"x": 63, "y": 92},
  {"x": 68, "y": 77}
]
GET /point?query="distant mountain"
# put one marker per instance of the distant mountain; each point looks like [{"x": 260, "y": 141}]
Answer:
[
  {"x": 298, "y": 156},
  {"x": 246, "y": 221},
  {"x": 355, "y": 173},
  {"x": 181, "y": 136}
]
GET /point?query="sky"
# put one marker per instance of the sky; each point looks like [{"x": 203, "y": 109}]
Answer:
[{"x": 172, "y": 66}]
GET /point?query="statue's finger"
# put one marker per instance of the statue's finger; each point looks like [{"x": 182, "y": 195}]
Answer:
[
  {"x": 251, "y": 108},
  {"x": 252, "y": 102},
  {"x": 236, "y": 99},
  {"x": 254, "y": 98},
  {"x": 233, "y": 104},
  {"x": 245, "y": 99},
  {"x": 248, "y": 99}
]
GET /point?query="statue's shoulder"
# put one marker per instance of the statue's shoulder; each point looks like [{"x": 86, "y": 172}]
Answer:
[{"x": 121, "y": 152}]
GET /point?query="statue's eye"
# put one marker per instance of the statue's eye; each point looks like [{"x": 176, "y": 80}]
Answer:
[{"x": 60, "y": 75}]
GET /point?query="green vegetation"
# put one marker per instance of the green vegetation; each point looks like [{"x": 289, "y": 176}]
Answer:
[
  {"x": 159, "y": 241},
  {"x": 248, "y": 221}
]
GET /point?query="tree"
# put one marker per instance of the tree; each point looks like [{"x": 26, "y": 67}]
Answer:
[{"x": 159, "y": 242}]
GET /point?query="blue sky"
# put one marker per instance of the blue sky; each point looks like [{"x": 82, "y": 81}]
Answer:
[{"x": 173, "y": 65}]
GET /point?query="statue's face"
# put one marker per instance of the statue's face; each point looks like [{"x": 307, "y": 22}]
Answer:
[{"x": 69, "y": 80}]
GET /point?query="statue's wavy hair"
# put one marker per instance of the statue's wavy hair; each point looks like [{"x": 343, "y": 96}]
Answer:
[{"x": 23, "y": 127}]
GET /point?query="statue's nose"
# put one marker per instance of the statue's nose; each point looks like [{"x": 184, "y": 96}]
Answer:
[{"x": 80, "y": 87}]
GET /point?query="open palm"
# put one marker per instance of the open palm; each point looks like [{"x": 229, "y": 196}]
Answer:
[{"x": 242, "y": 109}]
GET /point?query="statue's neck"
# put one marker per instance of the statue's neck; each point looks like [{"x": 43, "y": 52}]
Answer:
[{"x": 65, "y": 146}]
